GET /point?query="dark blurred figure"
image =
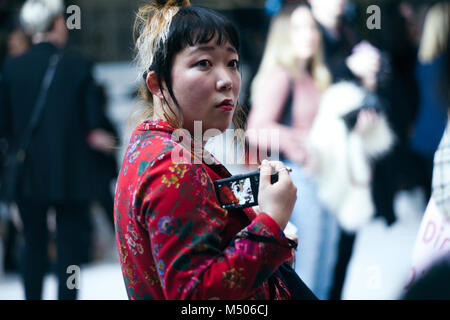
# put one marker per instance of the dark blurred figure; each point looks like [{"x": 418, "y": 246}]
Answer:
[
  {"x": 17, "y": 44},
  {"x": 339, "y": 35},
  {"x": 402, "y": 168},
  {"x": 349, "y": 58},
  {"x": 56, "y": 168},
  {"x": 6, "y": 19},
  {"x": 433, "y": 285}
]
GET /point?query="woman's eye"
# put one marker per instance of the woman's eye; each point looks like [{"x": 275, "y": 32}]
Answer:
[
  {"x": 234, "y": 64},
  {"x": 203, "y": 64}
]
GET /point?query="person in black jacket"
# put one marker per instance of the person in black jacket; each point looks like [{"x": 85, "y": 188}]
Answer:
[
  {"x": 56, "y": 168},
  {"x": 17, "y": 44}
]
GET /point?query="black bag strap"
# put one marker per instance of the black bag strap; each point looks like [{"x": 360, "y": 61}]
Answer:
[{"x": 39, "y": 107}]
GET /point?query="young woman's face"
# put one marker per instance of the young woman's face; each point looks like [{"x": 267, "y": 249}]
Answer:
[
  {"x": 304, "y": 33},
  {"x": 206, "y": 83}
]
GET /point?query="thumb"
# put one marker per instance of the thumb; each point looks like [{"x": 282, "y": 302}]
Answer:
[{"x": 265, "y": 173}]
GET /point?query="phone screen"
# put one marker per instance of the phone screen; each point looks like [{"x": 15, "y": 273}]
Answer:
[{"x": 240, "y": 191}]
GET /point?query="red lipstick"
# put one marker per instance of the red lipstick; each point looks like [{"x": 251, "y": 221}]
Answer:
[{"x": 226, "y": 105}]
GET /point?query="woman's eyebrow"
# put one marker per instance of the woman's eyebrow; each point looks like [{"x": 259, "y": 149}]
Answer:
[{"x": 211, "y": 48}]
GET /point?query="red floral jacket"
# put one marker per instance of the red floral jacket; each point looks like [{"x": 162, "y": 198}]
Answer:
[{"x": 174, "y": 239}]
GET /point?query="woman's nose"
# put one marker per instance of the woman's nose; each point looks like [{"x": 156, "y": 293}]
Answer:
[
  {"x": 224, "y": 85},
  {"x": 224, "y": 82}
]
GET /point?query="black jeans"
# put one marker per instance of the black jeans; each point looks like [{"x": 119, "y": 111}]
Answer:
[
  {"x": 72, "y": 241},
  {"x": 346, "y": 243}
]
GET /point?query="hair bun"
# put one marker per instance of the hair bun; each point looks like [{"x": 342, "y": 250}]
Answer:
[{"x": 173, "y": 3}]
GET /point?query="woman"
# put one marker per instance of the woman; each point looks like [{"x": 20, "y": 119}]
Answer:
[
  {"x": 285, "y": 97},
  {"x": 174, "y": 239},
  {"x": 431, "y": 252},
  {"x": 432, "y": 78}
]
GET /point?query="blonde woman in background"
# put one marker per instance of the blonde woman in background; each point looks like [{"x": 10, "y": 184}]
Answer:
[
  {"x": 432, "y": 78},
  {"x": 432, "y": 249},
  {"x": 285, "y": 97}
]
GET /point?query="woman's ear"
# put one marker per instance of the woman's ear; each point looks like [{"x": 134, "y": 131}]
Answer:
[{"x": 153, "y": 85}]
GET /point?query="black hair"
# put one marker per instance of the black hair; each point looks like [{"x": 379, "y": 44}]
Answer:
[{"x": 190, "y": 26}]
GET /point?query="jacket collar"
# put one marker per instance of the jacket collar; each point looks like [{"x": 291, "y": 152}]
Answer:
[
  {"x": 196, "y": 150},
  {"x": 45, "y": 46}
]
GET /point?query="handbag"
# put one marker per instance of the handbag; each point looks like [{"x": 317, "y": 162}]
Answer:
[
  {"x": 13, "y": 168},
  {"x": 295, "y": 285},
  {"x": 297, "y": 288}
]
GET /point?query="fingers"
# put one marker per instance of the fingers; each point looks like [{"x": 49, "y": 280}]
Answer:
[
  {"x": 283, "y": 172},
  {"x": 269, "y": 168},
  {"x": 265, "y": 173}
]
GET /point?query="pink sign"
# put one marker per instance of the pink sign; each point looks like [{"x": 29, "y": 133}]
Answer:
[{"x": 432, "y": 242}]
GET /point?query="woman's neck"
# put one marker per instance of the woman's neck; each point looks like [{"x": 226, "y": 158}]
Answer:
[
  {"x": 301, "y": 70},
  {"x": 158, "y": 114},
  {"x": 302, "y": 66}
]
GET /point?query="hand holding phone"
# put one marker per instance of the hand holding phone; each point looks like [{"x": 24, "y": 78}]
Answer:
[
  {"x": 278, "y": 199},
  {"x": 270, "y": 187}
]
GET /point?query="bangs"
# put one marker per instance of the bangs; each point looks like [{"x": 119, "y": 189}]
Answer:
[{"x": 198, "y": 25}]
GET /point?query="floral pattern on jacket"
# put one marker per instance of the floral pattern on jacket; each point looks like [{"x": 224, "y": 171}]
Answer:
[{"x": 174, "y": 239}]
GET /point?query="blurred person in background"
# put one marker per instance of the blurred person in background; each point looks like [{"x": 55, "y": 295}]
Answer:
[
  {"x": 431, "y": 254},
  {"x": 432, "y": 80},
  {"x": 401, "y": 168},
  {"x": 56, "y": 169},
  {"x": 17, "y": 44},
  {"x": 346, "y": 54},
  {"x": 6, "y": 26},
  {"x": 349, "y": 58},
  {"x": 349, "y": 133},
  {"x": 285, "y": 97},
  {"x": 339, "y": 36},
  {"x": 429, "y": 277}
]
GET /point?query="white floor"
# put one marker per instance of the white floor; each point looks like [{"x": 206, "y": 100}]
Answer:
[{"x": 381, "y": 262}]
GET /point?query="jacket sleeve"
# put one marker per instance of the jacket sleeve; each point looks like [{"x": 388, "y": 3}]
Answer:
[{"x": 185, "y": 224}]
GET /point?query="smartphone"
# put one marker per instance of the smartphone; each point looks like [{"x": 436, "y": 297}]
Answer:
[{"x": 240, "y": 191}]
